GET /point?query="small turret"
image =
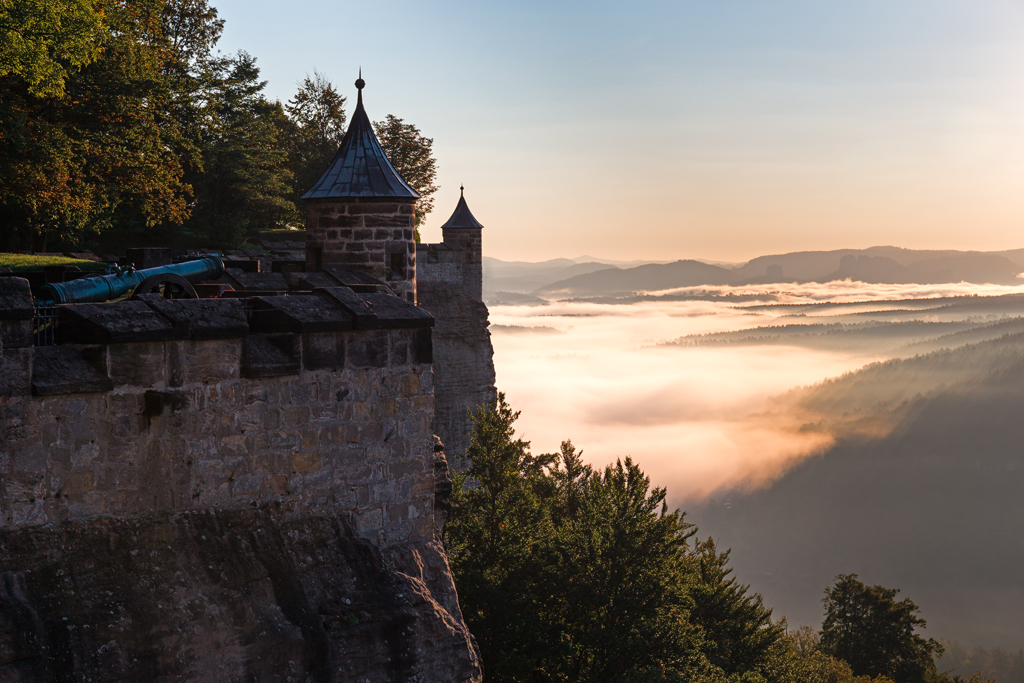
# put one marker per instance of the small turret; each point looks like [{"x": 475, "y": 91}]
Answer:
[
  {"x": 465, "y": 231},
  {"x": 359, "y": 214}
]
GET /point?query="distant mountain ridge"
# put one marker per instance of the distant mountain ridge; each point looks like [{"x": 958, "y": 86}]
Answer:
[
  {"x": 561, "y": 278},
  {"x": 653, "y": 276}
]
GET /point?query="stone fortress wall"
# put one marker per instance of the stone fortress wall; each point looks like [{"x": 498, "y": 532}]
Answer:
[
  {"x": 193, "y": 490},
  {"x": 250, "y": 489},
  {"x": 449, "y": 283}
]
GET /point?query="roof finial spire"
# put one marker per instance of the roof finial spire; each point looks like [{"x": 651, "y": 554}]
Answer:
[
  {"x": 360, "y": 84},
  {"x": 462, "y": 190}
]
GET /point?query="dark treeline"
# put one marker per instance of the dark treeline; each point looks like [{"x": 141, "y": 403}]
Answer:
[
  {"x": 996, "y": 664},
  {"x": 566, "y": 572},
  {"x": 121, "y": 124}
]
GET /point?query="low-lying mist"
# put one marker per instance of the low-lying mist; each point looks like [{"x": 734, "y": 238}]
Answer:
[
  {"x": 700, "y": 396},
  {"x": 814, "y": 429}
]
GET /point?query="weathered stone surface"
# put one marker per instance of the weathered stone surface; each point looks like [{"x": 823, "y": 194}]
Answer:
[
  {"x": 348, "y": 278},
  {"x": 463, "y": 363},
  {"x": 362, "y": 314},
  {"x": 363, "y": 236},
  {"x": 16, "y": 372},
  {"x": 114, "y": 322},
  {"x": 213, "y": 507},
  {"x": 442, "y": 487},
  {"x": 15, "y": 334},
  {"x": 368, "y": 349},
  {"x": 395, "y": 313},
  {"x": 68, "y": 370},
  {"x": 269, "y": 282},
  {"x": 240, "y": 595},
  {"x": 310, "y": 281},
  {"x": 298, "y": 313},
  {"x": 270, "y": 355},
  {"x": 15, "y": 299},
  {"x": 323, "y": 351},
  {"x": 203, "y": 318}
]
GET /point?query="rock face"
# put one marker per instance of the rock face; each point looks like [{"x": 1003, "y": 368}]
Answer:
[
  {"x": 192, "y": 492},
  {"x": 239, "y": 595}
]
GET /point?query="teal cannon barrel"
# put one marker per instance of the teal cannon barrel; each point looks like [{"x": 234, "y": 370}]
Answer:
[{"x": 117, "y": 285}]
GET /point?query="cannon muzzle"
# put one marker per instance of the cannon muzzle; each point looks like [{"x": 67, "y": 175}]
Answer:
[{"x": 117, "y": 285}]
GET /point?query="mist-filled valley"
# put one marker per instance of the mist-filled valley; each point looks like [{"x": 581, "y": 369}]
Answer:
[{"x": 814, "y": 428}]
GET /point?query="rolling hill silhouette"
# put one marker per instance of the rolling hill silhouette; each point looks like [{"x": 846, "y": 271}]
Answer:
[
  {"x": 921, "y": 491},
  {"x": 889, "y": 265}
]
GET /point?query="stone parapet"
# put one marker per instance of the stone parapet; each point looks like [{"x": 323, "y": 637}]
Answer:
[
  {"x": 322, "y": 401},
  {"x": 15, "y": 337}
]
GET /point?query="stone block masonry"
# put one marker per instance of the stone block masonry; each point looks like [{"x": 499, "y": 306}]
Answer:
[
  {"x": 191, "y": 493},
  {"x": 449, "y": 285},
  {"x": 372, "y": 236}
]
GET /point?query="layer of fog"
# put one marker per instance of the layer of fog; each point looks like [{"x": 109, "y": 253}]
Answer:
[{"x": 698, "y": 419}]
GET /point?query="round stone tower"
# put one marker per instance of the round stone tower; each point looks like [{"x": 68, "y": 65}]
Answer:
[
  {"x": 359, "y": 214},
  {"x": 464, "y": 230}
]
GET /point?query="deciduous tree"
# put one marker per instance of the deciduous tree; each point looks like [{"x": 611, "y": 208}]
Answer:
[
  {"x": 44, "y": 41},
  {"x": 412, "y": 155},
  {"x": 318, "y": 112},
  {"x": 875, "y": 634}
]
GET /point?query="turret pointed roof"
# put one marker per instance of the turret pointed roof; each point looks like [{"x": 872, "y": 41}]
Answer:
[
  {"x": 463, "y": 217},
  {"x": 360, "y": 168}
]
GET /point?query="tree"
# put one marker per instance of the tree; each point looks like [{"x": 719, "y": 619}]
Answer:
[
  {"x": 874, "y": 633},
  {"x": 412, "y": 156},
  {"x": 738, "y": 627},
  {"x": 318, "y": 113},
  {"x": 105, "y": 151},
  {"x": 43, "y": 41},
  {"x": 243, "y": 184},
  {"x": 570, "y": 573}
]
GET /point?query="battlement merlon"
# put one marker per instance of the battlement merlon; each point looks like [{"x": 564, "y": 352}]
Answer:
[{"x": 313, "y": 401}]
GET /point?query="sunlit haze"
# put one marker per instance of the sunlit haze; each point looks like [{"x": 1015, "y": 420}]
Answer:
[
  {"x": 665, "y": 130},
  {"x": 699, "y": 419}
]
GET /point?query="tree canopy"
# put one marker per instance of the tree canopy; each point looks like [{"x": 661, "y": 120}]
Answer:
[
  {"x": 412, "y": 155},
  {"x": 43, "y": 41},
  {"x": 875, "y": 633},
  {"x": 567, "y": 572},
  {"x": 570, "y": 573},
  {"x": 121, "y": 125}
]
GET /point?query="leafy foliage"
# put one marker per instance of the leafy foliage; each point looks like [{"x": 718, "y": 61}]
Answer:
[
  {"x": 412, "y": 155},
  {"x": 570, "y": 573},
  {"x": 243, "y": 185},
  {"x": 105, "y": 151},
  {"x": 43, "y": 41},
  {"x": 567, "y": 572},
  {"x": 318, "y": 112},
  {"x": 120, "y": 125},
  {"x": 874, "y": 633}
]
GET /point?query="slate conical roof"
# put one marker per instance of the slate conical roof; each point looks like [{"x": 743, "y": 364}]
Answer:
[
  {"x": 360, "y": 168},
  {"x": 463, "y": 217}
]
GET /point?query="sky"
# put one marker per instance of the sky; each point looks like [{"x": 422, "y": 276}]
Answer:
[{"x": 662, "y": 130}]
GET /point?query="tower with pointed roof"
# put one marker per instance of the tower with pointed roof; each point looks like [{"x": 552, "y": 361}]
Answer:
[
  {"x": 450, "y": 287},
  {"x": 359, "y": 214},
  {"x": 464, "y": 230}
]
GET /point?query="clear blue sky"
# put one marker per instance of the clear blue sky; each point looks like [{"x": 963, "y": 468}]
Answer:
[{"x": 719, "y": 129}]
